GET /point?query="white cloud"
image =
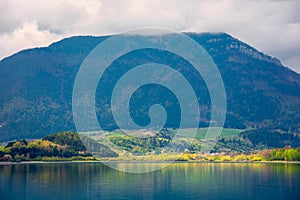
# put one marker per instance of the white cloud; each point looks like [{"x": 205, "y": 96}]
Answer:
[
  {"x": 26, "y": 36},
  {"x": 272, "y": 26}
]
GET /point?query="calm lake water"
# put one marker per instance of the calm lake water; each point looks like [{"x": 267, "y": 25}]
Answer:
[{"x": 177, "y": 181}]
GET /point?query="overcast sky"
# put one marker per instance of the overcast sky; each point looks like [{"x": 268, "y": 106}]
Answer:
[{"x": 271, "y": 26}]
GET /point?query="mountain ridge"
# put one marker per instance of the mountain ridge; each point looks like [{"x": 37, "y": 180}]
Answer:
[
  {"x": 59, "y": 42},
  {"x": 37, "y": 85}
]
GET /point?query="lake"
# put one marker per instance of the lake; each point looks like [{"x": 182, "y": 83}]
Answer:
[{"x": 177, "y": 181}]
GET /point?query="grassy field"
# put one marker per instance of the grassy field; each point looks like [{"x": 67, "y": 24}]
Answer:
[
  {"x": 202, "y": 132},
  {"x": 147, "y": 141},
  {"x": 185, "y": 133}
]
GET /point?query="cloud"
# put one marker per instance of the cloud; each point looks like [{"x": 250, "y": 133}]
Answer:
[
  {"x": 272, "y": 26},
  {"x": 26, "y": 36}
]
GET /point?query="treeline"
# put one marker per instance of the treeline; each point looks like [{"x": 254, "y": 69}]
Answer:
[
  {"x": 261, "y": 156},
  {"x": 281, "y": 154},
  {"x": 246, "y": 142},
  {"x": 65, "y": 145},
  {"x": 139, "y": 144},
  {"x": 250, "y": 145},
  {"x": 284, "y": 154},
  {"x": 272, "y": 138}
]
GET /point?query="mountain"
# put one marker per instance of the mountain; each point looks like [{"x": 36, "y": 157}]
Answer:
[{"x": 36, "y": 87}]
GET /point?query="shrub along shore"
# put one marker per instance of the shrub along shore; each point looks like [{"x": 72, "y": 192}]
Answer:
[{"x": 68, "y": 146}]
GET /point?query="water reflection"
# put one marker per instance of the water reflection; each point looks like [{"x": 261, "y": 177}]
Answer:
[{"x": 177, "y": 181}]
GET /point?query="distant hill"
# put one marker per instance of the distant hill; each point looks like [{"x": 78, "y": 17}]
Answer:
[
  {"x": 36, "y": 87},
  {"x": 55, "y": 147}
]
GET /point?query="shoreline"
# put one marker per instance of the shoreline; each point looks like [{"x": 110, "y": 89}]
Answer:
[{"x": 146, "y": 162}]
